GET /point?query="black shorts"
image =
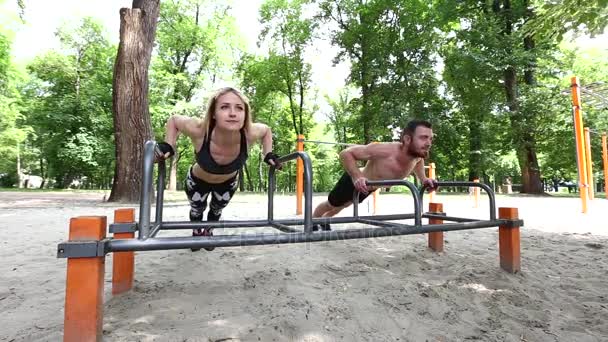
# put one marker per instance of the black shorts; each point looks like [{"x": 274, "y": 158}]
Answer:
[{"x": 343, "y": 192}]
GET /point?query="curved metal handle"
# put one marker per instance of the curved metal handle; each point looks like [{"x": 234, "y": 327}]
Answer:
[
  {"x": 489, "y": 191},
  {"x": 307, "y": 187},
  {"x": 393, "y": 182}
]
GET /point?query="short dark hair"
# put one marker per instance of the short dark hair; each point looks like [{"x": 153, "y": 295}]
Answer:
[{"x": 411, "y": 126}]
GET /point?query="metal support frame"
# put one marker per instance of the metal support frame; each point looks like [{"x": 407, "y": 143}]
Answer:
[
  {"x": 123, "y": 228},
  {"x": 82, "y": 249},
  {"x": 148, "y": 230}
]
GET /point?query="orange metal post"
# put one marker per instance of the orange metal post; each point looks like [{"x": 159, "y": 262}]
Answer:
[
  {"x": 605, "y": 159},
  {"x": 590, "y": 181},
  {"x": 580, "y": 141},
  {"x": 123, "y": 263},
  {"x": 476, "y": 193},
  {"x": 509, "y": 242},
  {"x": 436, "y": 238},
  {"x": 299, "y": 175},
  {"x": 83, "y": 320},
  {"x": 432, "y": 176},
  {"x": 375, "y": 199}
]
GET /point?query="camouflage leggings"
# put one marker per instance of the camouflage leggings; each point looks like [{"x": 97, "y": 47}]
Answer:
[{"x": 198, "y": 190}]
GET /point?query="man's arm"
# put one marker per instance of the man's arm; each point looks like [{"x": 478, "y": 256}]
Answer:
[
  {"x": 351, "y": 155},
  {"x": 419, "y": 171},
  {"x": 431, "y": 184}
]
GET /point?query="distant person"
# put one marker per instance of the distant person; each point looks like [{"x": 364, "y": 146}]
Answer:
[
  {"x": 391, "y": 160},
  {"x": 221, "y": 139}
]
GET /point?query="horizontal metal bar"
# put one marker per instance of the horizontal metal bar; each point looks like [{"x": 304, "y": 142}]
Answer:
[
  {"x": 284, "y": 228},
  {"x": 448, "y": 218},
  {"x": 123, "y": 245},
  {"x": 288, "y": 222},
  {"x": 82, "y": 249},
  {"x": 123, "y": 227},
  {"x": 512, "y": 223},
  {"x": 327, "y": 142},
  {"x": 383, "y": 224}
]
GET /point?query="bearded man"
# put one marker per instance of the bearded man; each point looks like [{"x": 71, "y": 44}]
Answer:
[{"x": 393, "y": 160}]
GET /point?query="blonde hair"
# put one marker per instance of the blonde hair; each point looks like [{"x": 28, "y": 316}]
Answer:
[{"x": 208, "y": 121}]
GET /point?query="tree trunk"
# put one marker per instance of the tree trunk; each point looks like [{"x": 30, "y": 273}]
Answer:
[
  {"x": 19, "y": 183},
  {"x": 42, "y": 174},
  {"x": 475, "y": 167},
  {"x": 523, "y": 140},
  {"x": 242, "y": 178},
  {"x": 173, "y": 174},
  {"x": 530, "y": 170},
  {"x": 132, "y": 125}
]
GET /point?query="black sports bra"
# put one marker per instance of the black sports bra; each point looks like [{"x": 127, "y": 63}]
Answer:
[{"x": 207, "y": 163}]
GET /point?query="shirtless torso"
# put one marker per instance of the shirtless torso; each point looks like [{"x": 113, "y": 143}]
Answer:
[{"x": 394, "y": 160}]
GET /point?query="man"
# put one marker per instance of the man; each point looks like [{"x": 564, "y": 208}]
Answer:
[{"x": 394, "y": 160}]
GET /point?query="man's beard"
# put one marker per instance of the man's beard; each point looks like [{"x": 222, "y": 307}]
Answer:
[{"x": 416, "y": 153}]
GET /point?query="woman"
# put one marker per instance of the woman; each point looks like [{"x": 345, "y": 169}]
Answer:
[{"x": 221, "y": 141}]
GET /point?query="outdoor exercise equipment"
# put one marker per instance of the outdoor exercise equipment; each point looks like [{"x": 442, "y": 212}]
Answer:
[
  {"x": 88, "y": 244},
  {"x": 583, "y": 142},
  {"x": 432, "y": 173}
]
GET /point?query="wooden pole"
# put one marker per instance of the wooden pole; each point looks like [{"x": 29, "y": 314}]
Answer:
[
  {"x": 83, "y": 315},
  {"x": 589, "y": 164},
  {"x": 509, "y": 242},
  {"x": 299, "y": 175},
  {"x": 605, "y": 159},
  {"x": 123, "y": 263},
  {"x": 436, "y": 238},
  {"x": 580, "y": 141}
]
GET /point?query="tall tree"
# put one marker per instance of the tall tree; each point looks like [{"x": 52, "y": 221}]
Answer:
[
  {"x": 386, "y": 43},
  {"x": 12, "y": 134},
  {"x": 67, "y": 103},
  {"x": 130, "y": 96},
  {"x": 189, "y": 53},
  {"x": 290, "y": 33}
]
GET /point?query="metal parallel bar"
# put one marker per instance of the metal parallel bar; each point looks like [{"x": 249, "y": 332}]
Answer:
[
  {"x": 284, "y": 228},
  {"x": 123, "y": 245},
  {"x": 146, "y": 188},
  {"x": 448, "y": 218},
  {"x": 266, "y": 223},
  {"x": 328, "y": 143},
  {"x": 489, "y": 191},
  {"x": 383, "y": 224},
  {"x": 160, "y": 190},
  {"x": 215, "y": 224},
  {"x": 392, "y": 182},
  {"x": 271, "y": 189},
  {"x": 307, "y": 187}
]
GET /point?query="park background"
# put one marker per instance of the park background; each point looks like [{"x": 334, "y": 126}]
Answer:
[{"x": 492, "y": 76}]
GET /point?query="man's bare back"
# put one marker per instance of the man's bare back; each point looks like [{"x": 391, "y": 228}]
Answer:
[{"x": 395, "y": 165}]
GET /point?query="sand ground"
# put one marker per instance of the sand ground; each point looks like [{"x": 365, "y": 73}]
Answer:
[{"x": 384, "y": 289}]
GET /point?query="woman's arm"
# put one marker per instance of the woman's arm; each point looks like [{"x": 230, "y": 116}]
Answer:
[
  {"x": 175, "y": 125},
  {"x": 262, "y": 133},
  {"x": 181, "y": 124}
]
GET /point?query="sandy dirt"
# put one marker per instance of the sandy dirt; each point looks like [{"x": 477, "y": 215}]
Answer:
[{"x": 384, "y": 289}]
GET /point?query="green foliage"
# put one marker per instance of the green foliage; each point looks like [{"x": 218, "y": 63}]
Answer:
[
  {"x": 68, "y": 104},
  {"x": 12, "y": 131},
  {"x": 440, "y": 60},
  {"x": 555, "y": 18}
]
